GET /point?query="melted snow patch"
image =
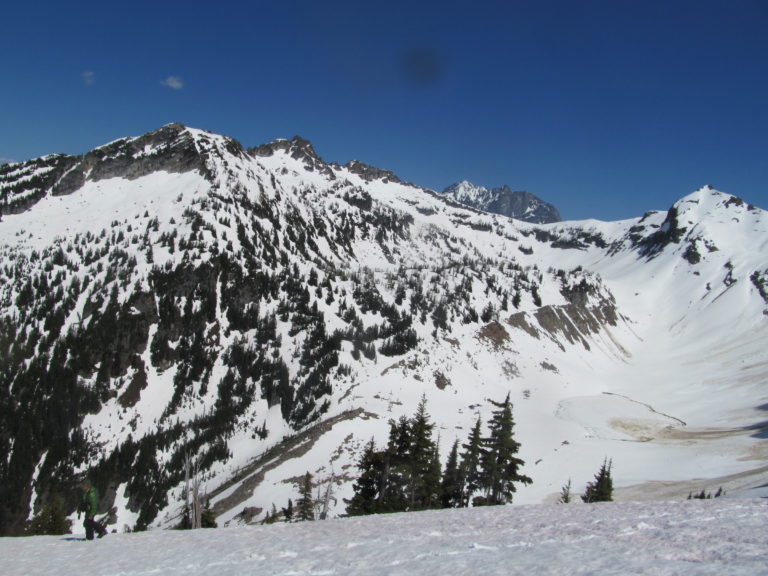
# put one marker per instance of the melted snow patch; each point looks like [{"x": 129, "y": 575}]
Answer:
[{"x": 614, "y": 417}]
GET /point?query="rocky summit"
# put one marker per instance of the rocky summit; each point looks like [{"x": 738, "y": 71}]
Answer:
[
  {"x": 505, "y": 201},
  {"x": 176, "y": 297}
]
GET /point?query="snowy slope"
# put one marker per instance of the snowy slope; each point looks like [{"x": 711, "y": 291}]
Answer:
[
  {"x": 626, "y": 342},
  {"x": 719, "y": 537}
]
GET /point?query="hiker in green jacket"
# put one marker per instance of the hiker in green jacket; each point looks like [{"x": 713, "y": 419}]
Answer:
[{"x": 89, "y": 505}]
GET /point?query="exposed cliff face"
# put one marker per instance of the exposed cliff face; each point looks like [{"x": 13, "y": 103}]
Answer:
[
  {"x": 505, "y": 201},
  {"x": 169, "y": 149},
  {"x": 24, "y": 184},
  {"x": 267, "y": 312},
  {"x": 299, "y": 149}
]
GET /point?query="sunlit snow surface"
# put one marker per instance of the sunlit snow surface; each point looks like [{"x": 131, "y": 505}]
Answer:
[{"x": 718, "y": 537}]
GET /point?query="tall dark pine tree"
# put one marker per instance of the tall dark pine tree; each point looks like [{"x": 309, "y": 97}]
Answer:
[
  {"x": 395, "y": 470},
  {"x": 288, "y": 511},
  {"x": 306, "y": 505},
  {"x": 601, "y": 488},
  {"x": 423, "y": 488},
  {"x": 499, "y": 464},
  {"x": 453, "y": 480},
  {"x": 367, "y": 487},
  {"x": 404, "y": 476},
  {"x": 470, "y": 463},
  {"x": 433, "y": 481}
]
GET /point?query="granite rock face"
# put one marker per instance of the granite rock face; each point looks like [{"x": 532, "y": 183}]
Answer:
[
  {"x": 505, "y": 201},
  {"x": 170, "y": 149}
]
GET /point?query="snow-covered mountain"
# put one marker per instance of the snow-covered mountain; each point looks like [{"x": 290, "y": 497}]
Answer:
[
  {"x": 268, "y": 313},
  {"x": 505, "y": 201}
]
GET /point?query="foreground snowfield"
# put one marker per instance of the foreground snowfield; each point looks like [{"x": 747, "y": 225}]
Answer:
[{"x": 722, "y": 536}]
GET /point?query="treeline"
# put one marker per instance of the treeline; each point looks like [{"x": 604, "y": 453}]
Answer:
[
  {"x": 407, "y": 474},
  {"x": 598, "y": 490},
  {"x": 307, "y": 507}
]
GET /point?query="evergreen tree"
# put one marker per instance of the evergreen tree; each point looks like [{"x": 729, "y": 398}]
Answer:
[
  {"x": 499, "y": 463},
  {"x": 601, "y": 489},
  {"x": 51, "y": 519},
  {"x": 470, "y": 463},
  {"x": 399, "y": 444},
  {"x": 288, "y": 511},
  {"x": 404, "y": 476},
  {"x": 565, "y": 493},
  {"x": 440, "y": 317},
  {"x": 395, "y": 469},
  {"x": 423, "y": 487},
  {"x": 208, "y": 517},
  {"x": 271, "y": 517},
  {"x": 306, "y": 505},
  {"x": 704, "y": 495},
  {"x": 453, "y": 481},
  {"x": 367, "y": 487},
  {"x": 487, "y": 313},
  {"x": 433, "y": 481}
]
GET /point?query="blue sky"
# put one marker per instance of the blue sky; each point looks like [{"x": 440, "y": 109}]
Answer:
[{"x": 605, "y": 108}]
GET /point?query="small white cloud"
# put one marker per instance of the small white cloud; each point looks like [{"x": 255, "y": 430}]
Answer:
[
  {"x": 174, "y": 82},
  {"x": 88, "y": 77}
]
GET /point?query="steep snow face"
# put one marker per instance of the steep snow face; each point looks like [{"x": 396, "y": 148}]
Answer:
[
  {"x": 102, "y": 205},
  {"x": 708, "y": 216},
  {"x": 697, "y": 300},
  {"x": 269, "y": 313},
  {"x": 663, "y": 538}
]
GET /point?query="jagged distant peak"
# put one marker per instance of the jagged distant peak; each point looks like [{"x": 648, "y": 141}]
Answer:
[
  {"x": 465, "y": 187},
  {"x": 176, "y": 133},
  {"x": 297, "y": 147},
  {"x": 303, "y": 150},
  {"x": 166, "y": 133},
  {"x": 170, "y": 140},
  {"x": 370, "y": 173},
  {"x": 503, "y": 200}
]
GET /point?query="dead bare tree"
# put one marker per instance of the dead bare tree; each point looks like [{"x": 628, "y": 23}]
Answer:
[
  {"x": 327, "y": 499},
  {"x": 193, "y": 514}
]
